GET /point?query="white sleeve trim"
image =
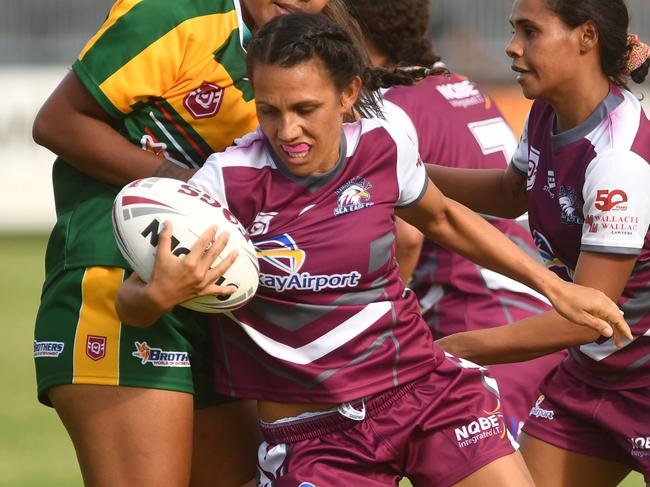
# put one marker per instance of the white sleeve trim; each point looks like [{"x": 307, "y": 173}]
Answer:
[{"x": 520, "y": 157}]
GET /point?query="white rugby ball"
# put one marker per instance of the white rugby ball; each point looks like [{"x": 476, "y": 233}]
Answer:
[{"x": 139, "y": 211}]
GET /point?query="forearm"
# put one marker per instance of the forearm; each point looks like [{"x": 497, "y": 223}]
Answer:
[
  {"x": 524, "y": 340},
  {"x": 73, "y": 125},
  {"x": 102, "y": 153},
  {"x": 136, "y": 306},
  {"x": 466, "y": 233},
  {"x": 487, "y": 191},
  {"x": 409, "y": 246}
]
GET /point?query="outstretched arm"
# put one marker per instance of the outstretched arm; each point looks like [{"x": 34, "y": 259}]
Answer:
[
  {"x": 74, "y": 126},
  {"x": 548, "y": 332},
  {"x": 457, "y": 228},
  {"x": 174, "y": 280},
  {"x": 494, "y": 192}
]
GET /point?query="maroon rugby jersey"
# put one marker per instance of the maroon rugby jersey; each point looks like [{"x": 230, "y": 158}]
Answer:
[
  {"x": 455, "y": 124},
  {"x": 331, "y": 321},
  {"x": 588, "y": 190}
]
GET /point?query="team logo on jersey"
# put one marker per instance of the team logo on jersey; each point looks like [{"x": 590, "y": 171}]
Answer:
[
  {"x": 461, "y": 94},
  {"x": 481, "y": 428},
  {"x": 548, "y": 255},
  {"x": 537, "y": 411},
  {"x": 205, "y": 101},
  {"x": 283, "y": 253},
  {"x": 640, "y": 446},
  {"x": 611, "y": 200},
  {"x": 570, "y": 213},
  {"x": 48, "y": 349},
  {"x": 96, "y": 347},
  {"x": 306, "y": 484},
  {"x": 533, "y": 162},
  {"x": 353, "y": 196},
  {"x": 260, "y": 225},
  {"x": 159, "y": 357}
]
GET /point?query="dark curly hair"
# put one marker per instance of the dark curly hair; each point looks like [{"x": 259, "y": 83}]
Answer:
[{"x": 397, "y": 28}]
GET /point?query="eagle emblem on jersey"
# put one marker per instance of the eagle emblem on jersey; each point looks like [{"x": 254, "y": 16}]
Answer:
[
  {"x": 570, "y": 213},
  {"x": 548, "y": 255},
  {"x": 205, "y": 101},
  {"x": 353, "y": 196}
]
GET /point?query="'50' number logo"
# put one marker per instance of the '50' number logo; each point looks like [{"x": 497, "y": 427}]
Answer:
[{"x": 606, "y": 200}]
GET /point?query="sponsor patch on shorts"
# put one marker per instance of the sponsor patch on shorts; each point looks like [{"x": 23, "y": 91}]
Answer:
[
  {"x": 640, "y": 446},
  {"x": 537, "y": 412},
  {"x": 479, "y": 429},
  {"x": 47, "y": 349},
  {"x": 159, "y": 357}
]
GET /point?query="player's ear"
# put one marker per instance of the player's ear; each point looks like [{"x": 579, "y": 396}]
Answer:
[
  {"x": 350, "y": 94},
  {"x": 588, "y": 36}
]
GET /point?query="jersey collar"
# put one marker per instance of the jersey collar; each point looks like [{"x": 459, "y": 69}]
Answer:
[
  {"x": 245, "y": 33},
  {"x": 611, "y": 101}
]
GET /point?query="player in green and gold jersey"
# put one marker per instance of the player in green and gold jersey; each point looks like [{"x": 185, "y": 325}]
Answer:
[{"x": 157, "y": 89}]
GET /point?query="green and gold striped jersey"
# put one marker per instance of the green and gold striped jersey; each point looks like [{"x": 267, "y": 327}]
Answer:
[{"x": 173, "y": 75}]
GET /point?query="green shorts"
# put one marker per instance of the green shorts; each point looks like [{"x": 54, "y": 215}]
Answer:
[{"x": 80, "y": 340}]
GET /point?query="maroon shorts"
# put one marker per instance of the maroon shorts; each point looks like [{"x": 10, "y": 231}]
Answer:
[
  {"x": 518, "y": 384},
  {"x": 436, "y": 430},
  {"x": 609, "y": 424}
]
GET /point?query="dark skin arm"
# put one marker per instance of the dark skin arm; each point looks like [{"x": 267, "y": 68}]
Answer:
[
  {"x": 547, "y": 332},
  {"x": 496, "y": 192},
  {"x": 409, "y": 246},
  {"x": 455, "y": 227},
  {"x": 74, "y": 126}
]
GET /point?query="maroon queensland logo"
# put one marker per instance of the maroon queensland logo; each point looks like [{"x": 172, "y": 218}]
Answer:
[
  {"x": 205, "y": 101},
  {"x": 96, "y": 347}
]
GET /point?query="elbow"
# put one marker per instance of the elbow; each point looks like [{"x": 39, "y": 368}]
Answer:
[
  {"x": 409, "y": 242},
  {"x": 42, "y": 131},
  {"x": 38, "y": 131}
]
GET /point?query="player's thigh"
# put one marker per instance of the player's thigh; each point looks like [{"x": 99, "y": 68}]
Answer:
[
  {"x": 226, "y": 438},
  {"x": 552, "y": 466},
  {"x": 508, "y": 471},
  {"x": 81, "y": 348},
  {"x": 128, "y": 435}
]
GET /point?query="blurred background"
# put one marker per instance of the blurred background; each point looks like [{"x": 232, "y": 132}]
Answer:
[{"x": 39, "y": 40}]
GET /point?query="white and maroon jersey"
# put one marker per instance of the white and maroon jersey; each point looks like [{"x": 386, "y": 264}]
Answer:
[
  {"x": 455, "y": 124},
  {"x": 331, "y": 321},
  {"x": 588, "y": 189}
]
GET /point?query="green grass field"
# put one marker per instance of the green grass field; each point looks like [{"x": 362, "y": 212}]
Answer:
[{"x": 34, "y": 447}]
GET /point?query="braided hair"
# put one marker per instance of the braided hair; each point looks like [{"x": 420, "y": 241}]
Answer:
[{"x": 289, "y": 40}]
